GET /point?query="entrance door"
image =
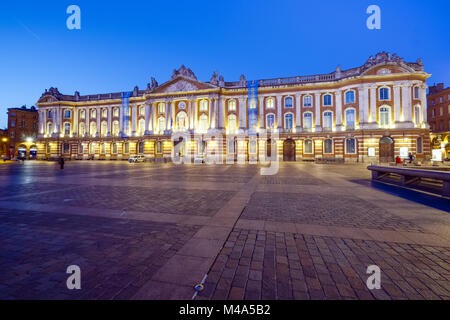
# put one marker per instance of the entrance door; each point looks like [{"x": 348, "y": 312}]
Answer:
[
  {"x": 386, "y": 149},
  {"x": 289, "y": 150}
]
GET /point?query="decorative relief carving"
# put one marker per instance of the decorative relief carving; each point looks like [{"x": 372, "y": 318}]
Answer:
[{"x": 181, "y": 86}]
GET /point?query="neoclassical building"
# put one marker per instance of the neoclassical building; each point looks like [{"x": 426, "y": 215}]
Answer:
[{"x": 369, "y": 113}]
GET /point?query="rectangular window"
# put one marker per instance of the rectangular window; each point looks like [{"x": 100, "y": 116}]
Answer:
[
  {"x": 328, "y": 146},
  {"x": 350, "y": 146},
  {"x": 307, "y": 101},
  {"x": 13, "y": 123},
  {"x": 419, "y": 146},
  {"x": 327, "y": 100},
  {"x": 308, "y": 147},
  {"x": 416, "y": 92},
  {"x": 441, "y": 111}
]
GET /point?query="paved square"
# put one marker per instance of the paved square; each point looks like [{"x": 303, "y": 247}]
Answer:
[{"x": 154, "y": 230}]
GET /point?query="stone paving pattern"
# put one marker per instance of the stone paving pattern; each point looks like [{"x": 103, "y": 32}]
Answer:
[{"x": 154, "y": 230}]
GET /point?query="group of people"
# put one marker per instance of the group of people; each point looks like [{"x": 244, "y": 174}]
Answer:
[{"x": 399, "y": 160}]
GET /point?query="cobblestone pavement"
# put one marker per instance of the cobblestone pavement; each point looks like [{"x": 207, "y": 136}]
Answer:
[{"x": 154, "y": 230}]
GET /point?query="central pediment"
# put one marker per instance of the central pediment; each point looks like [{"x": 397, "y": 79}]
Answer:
[{"x": 182, "y": 84}]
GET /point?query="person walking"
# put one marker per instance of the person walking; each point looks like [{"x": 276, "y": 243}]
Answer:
[
  {"x": 61, "y": 163},
  {"x": 411, "y": 157}
]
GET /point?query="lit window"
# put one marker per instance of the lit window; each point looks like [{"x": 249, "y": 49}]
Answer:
[
  {"x": 67, "y": 128},
  {"x": 116, "y": 112},
  {"x": 93, "y": 113},
  {"x": 328, "y": 146},
  {"x": 82, "y": 130},
  {"x": 350, "y": 118},
  {"x": 182, "y": 121},
  {"x": 350, "y": 146},
  {"x": 159, "y": 148},
  {"x": 288, "y": 102},
  {"x": 288, "y": 121},
  {"x": 141, "y": 111},
  {"x": 161, "y": 124},
  {"x": 307, "y": 101},
  {"x": 91, "y": 148},
  {"x": 416, "y": 93},
  {"x": 161, "y": 108},
  {"x": 350, "y": 96},
  {"x": 104, "y": 129},
  {"x": 102, "y": 148},
  {"x": 203, "y": 123},
  {"x": 114, "y": 148},
  {"x": 270, "y": 121},
  {"x": 419, "y": 146},
  {"x": 270, "y": 103},
  {"x": 327, "y": 100},
  {"x": 327, "y": 120},
  {"x": 126, "y": 147},
  {"x": 82, "y": 114},
  {"x": 417, "y": 115},
  {"x": 93, "y": 129},
  {"x": 141, "y": 127},
  {"x": 308, "y": 146},
  {"x": 384, "y": 94},
  {"x": 307, "y": 120},
  {"x": 115, "y": 128},
  {"x": 232, "y": 105},
  {"x": 203, "y": 106},
  {"x": 385, "y": 116},
  {"x": 232, "y": 122},
  {"x": 104, "y": 113}
]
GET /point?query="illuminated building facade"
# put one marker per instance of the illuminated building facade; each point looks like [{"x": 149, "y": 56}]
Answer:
[
  {"x": 369, "y": 113},
  {"x": 439, "y": 120}
]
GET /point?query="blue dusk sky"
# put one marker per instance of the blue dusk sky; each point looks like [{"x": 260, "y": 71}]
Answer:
[{"x": 123, "y": 43}]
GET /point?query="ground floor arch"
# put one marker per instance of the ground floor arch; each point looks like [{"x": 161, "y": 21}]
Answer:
[
  {"x": 386, "y": 149},
  {"x": 289, "y": 150}
]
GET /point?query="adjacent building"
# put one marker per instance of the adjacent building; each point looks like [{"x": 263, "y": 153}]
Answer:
[
  {"x": 373, "y": 112},
  {"x": 439, "y": 120},
  {"x": 4, "y": 146},
  {"x": 22, "y": 132}
]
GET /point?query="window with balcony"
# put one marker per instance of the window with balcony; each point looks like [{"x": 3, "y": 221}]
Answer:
[
  {"x": 350, "y": 119},
  {"x": 270, "y": 121},
  {"x": 327, "y": 120},
  {"x": 307, "y": 121},
  {"x": 288, "y": 121},
  {"x": 385, "y": 116}
]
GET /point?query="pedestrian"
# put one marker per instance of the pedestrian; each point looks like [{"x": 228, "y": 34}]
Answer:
[
  {"x": 411, "y": 157},
  {"x": 61, "y": 162},
  {"x": 398, "y": 160}
]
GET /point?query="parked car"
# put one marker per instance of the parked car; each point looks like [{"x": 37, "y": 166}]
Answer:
[{"x": 138, "y": 158}]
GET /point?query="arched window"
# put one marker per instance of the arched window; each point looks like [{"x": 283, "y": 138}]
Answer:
[
  {"x": 328, "y": 146},
  {"x": 288, "y": 121},
  {"x": 91, "y": 148},
  {"x": 270, "y": 121},
  {"x": 350, "y": 146},
  {"x": 307, "y": 120},
  {"x": 350, "y": 96},
  {"x": 104, "y": 129},
  {"x": 49, "y": 128},
  {"x": 419, "y": 145},
  {"x": 288, "y": 102},
  {"x": 350, "y": 120},
  {"x": 328, "y": 120},
  {"x": 307, "y": 101},
  {"x": 115, "y": 128},
  {"x": 161, "y": 124},
  {"x": 384, "y": 94},
  {"x": 182, "y": 121},
  {"x": 126, "y": 148},
  {"x": 203, "y": 106},
  {"x": 327, "y": 100},
  {"x": 67, "y": 128},
  {"x": 141, "y": 127},
  {"x": 158, "y": 147},
  {"x": 82, "y": 129},
  {"x": 162, "y": 107},
  {"x": 93, "y": 129},
  {"x": 308, "y": 146},
  {"x": 102, "y": 148},
  {"x": 270, "y": 103},
  {"x": 203, "y": 123},
  {"x": 232, "y": 106},
  {"x": 141, "y": 147},
  {"x": 114, "y": 148},
  {"x": 232, "y": 122},
  {"x": 116, "y": 112},
  {"x": 67, "y": 114},
  {"x": 417, "y": 115},
  {"x": 385, "y": 116}
]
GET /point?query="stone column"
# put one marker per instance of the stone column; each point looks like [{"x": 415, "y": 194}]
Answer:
[
  {"x": 373, "y": 104},
  {"x": 87, "y": 132},
  {"x": 190, "y": 117},
  {"x": 133, "y": 120},
  {"x": 423, "y": 104},
  {"x": 397, "y": 111},
  {"x": 406, "y": 104},
  {"x": 75, "y": 122},
  {"x": 338, "y": 111},
  {"x": 261, "y": 112},
  {"x": 147, "y": 118},
  {"x": 172, "y": 114},
  {"x": 98, "y": 121},
  {"x": 109, "y": 121},
  {"x": 221, "y": 113},
  {"x": 151, "y": 120},
  {"x": 241, "y": 113},
  {"x": 363, "y": 106},
  {"x": 195, "y": 113},
  {"x": 211, "y": 113},
  {"x": 279, "y": 113},
  {"x": 318, "y": 116},
  {"x": 298, "y": 123}
]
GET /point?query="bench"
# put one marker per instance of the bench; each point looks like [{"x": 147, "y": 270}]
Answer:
[{"x": 409, "y": 176}]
